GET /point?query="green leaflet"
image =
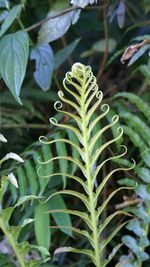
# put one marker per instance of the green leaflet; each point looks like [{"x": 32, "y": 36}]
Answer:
[
  {"x": 13, "y": 14},
  {"x": 63, "y": 221},
  {"x": 136, "y": 100},
  {"x": 41, "y": 225},
  {"x": 87, "y": 130}
]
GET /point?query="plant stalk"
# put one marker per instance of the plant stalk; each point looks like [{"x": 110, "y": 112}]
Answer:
[
  {"x": 12, "y": 243},
  {"x": 89, "y": 180}
]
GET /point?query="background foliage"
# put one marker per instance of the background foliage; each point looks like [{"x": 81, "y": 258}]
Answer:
[{"x": 39, "y": 41}]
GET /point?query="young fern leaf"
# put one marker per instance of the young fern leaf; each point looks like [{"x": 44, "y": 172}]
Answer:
[{"x": 81, "y": 85}]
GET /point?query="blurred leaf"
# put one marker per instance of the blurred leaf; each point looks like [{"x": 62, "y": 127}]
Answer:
[
  {"x": 13, "y": 14},
  {"x": 141, "y": 191},
  {"x": 53, "y": 29},
  {"x": 143, "y": 173},
  {"x": 135, "y": 226},
  {"x": 13, "y": 60},
  {"x": 145, "y": 71},
  {"x": 83, "y": 3},
  {"x": 44, "y": 62},
  {"x": 61, "y": 219},
  {"x": 131, "y": 243},
  {"x": 64, "y": 53},
  {"x": 121, "y": 11},
  {"x": 100, "y": 45},
  {"x": 127, "y": 182},
  {"x": 41, "y": 225}
]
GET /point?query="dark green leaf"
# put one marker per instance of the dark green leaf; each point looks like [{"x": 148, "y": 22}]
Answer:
[{"x": 64, "y": 53}]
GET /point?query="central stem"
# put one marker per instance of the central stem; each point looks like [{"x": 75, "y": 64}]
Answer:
[
  {"x": 11, "y": 241},
  {"x": 89, "y": 179}
]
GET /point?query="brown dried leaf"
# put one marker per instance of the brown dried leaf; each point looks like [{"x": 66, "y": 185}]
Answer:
[{"x": 132, "y": 49}]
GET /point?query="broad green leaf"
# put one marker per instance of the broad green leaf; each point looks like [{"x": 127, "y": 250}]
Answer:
[
  {"x": 44, "y": 65},
  {"x": 41, "y": 225},
  {"x": 13, "y": 14},
  {"x": 100, "y": 45},
  {"x": 61, "y": 219},
  {"x": 54, "y": 28},
  {"x": 13, "y": 60},
  {"x": 64, "y": 53}
]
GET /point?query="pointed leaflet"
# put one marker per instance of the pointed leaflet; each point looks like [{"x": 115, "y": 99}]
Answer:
[
  {"x": 13, "y": 60},
  {"x": 14, "y": 12},
  {"x": 41, "y": 226},
  {"x": 44, "y": 65}
]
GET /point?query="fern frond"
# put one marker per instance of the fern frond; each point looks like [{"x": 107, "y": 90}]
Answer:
[{"x": 86, "y": 98}]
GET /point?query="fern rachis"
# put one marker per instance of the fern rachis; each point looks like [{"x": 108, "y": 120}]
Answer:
[{"x": 81, "y": 84}]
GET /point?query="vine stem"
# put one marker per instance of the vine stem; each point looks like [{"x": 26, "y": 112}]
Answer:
[
  {"x": 89, "y": 179},
  {"x": 12, "y": 243}
]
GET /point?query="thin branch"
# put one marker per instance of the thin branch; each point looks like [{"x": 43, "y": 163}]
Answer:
[
  {"x": 106, "y": 40},
  {"x": 128, "y": 203},
  {"x": 32, "y": 126},
  {"x": 52, "y": 17}
]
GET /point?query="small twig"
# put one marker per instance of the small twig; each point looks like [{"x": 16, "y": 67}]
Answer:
[
  {"x": 32, "y": 126},
  {"x": 128, "y": 203},
  {"x": 106, "y": 40},
  {"x": 52, "y": 17}
]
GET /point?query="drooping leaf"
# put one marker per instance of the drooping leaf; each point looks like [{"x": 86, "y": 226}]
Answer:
[
  {"x": 44, "y": 65},
  {"x": 100, "y": 46},
  {"x": 13, "y": 60},
  {"x": 54, "y": 28},
  {"x": 121, "y": 10},
  {"x": 14, "y": 12}
]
